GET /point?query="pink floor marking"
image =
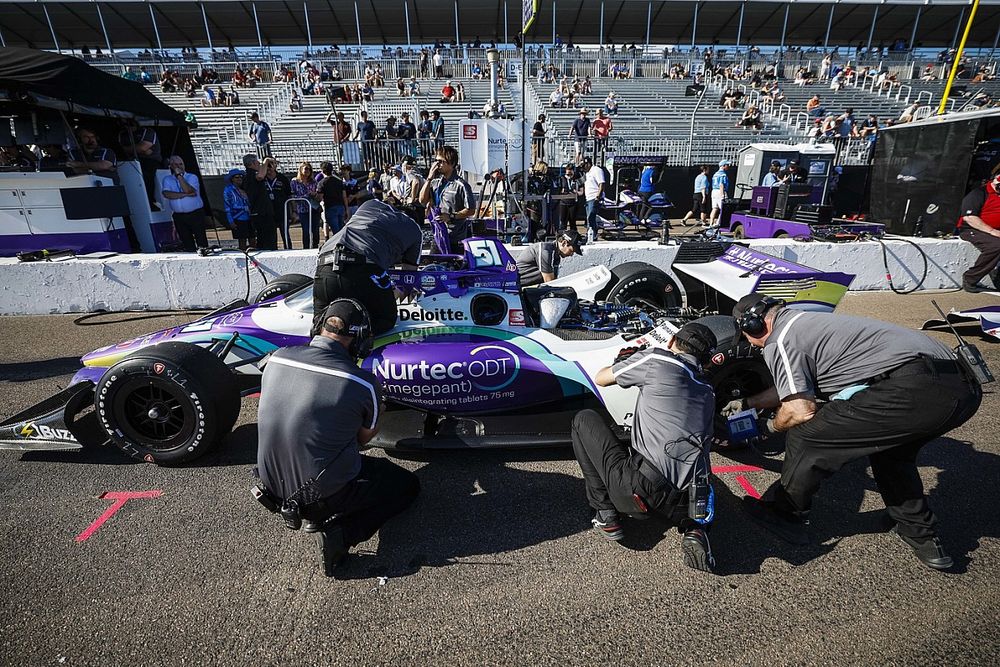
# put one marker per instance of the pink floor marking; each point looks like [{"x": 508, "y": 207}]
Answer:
[{"x": 119, "y": 498}]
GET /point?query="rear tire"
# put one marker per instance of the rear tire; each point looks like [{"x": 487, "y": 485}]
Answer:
[
  {"x": 167, "y": 404},
  {"x": 282, "y": 285},
  {"x": 739, "y": 232},
  {"x": 639, "y": 282}
]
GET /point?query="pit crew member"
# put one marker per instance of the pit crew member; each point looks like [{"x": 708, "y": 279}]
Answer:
[
  {"x": 668, "y": 463},
  {"x": 355, "y": 261},
  {"x": 307, "y": 457},
  {"x": 450, "y": 193},
  {"x": 539, "y": 262},
  {"x": 980, "y": 226},
  {"x": 890, "y": 391}
]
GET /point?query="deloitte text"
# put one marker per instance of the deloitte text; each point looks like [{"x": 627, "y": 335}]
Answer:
[{"x": 431, "y": 315}]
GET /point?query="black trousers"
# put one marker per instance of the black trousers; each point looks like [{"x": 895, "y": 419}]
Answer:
[
  {"x": 888, "y": 422},
  {"x": 611, "y": 474},
  {"x": 380, "y": 491},
  {"x": 989, "y": 255},
  {"x": 567, "y": 215},
  {"x": 265, "y": 230},
  {"x": 354, "y": 282},
  {"x": 191, "y": 229}
]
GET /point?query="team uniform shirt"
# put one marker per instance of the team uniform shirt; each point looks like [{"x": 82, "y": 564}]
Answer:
[
  {"x": 308, "y": 438},
  {"x": 380, "y": 233},
  {"x": 820, "y": 354},
  {"x": 720, "y": 187},
  {"x": 129, "y": 136},
  {"x": 984, "y": 203},
  {"x": 172, "y": 183},
  {"x": 675, "y": 403},
  {"x": 452, "y": 195},
  {"x": 538, "y": 258},
  {"x": 592, "y": 183},
  {"x": 701, "y": 184},
  {"x": 96, "y": 155}
]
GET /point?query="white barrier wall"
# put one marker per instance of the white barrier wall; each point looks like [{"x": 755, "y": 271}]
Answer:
[{"x": 182, "y": 281}]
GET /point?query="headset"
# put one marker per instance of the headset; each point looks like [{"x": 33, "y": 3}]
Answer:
[
  {"x": 361, "y": 346},
  {"x": 752, "y": 320}
]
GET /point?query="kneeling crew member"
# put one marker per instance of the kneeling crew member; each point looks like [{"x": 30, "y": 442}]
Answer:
[
  {"x": 539, "y": 262},
  {"x": 355, "y": 262},
  {"x": 890, "y": 391},
  {"x": 316, "y": 409},
  {"x": 671, "y": 436}
]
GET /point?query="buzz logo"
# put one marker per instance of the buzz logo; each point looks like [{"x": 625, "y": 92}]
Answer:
[{"x": 32, "y": 431}]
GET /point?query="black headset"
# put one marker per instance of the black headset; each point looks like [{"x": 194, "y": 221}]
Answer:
[
  {"x": 752, "y": 320},
  {"x": 361, "y": 346}
]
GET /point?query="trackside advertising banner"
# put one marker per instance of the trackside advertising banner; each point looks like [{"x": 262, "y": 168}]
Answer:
[{"x": 486, "y": 144}]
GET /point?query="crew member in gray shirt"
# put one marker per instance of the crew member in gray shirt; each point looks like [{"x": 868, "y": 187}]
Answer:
[
  {"x": 671, "y": 437},
  {"x": 316, "y": 409},
  {"x": 539, "y": 262},
  {"x": 848, "y": 387},
  {"x": 355, "y": 262},
  {"x": 451, "y": 195}
]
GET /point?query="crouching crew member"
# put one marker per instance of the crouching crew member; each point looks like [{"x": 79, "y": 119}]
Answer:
[
  {"x": 308, "y": 457},
  {"x": 666, "y": 470},
  {"x": 889, "y": 391},
  {"x": 980, "y": 226},
  {"x": 355, "y": 262},
  {"x": 539, "y": 262}
]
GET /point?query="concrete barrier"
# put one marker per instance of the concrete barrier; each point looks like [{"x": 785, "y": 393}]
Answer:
[{"x": 185, "y": 281}]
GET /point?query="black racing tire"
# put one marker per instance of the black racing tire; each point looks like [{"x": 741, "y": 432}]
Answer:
[
  {"x": 735, "y": 371},
  {"x": 781, "y": 235},
  {"x": 282, "y": 285},
  {"x": 739, "y": 232},
  {"x": 640, "y": 282},
  {"x": 724, "y": 328},
  {"x": 167, "y": 404}
]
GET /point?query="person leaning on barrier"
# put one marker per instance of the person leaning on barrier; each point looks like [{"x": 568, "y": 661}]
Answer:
[
  {"x": 355, "y": 262},
  {"x": 539, "y": 262},
  {"x": 665, "y": 472},
  {"x": 308, "y": 460},
  {"x": 888, "y": 391}
]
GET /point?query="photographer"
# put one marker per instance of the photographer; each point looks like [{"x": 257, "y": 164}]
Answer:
[
  {"x": 183, "y": 194},
  {"x": 308, "y": 457}
]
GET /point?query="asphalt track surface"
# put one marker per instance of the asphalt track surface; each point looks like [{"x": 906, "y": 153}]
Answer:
[{"x": 495, "y": 563}]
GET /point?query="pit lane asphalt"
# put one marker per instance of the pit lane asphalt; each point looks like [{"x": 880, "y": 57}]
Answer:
[{"x": 495, "y": 564}]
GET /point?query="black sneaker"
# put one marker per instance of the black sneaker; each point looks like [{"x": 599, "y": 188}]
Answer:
[
  {"x": 697, "y": 550},
  {"x": 607, "y": 524},
  {"x": 974, "y": 288},
  {"x": 310, "y": 526},
  {"x": 929, "y": 552},
  {"x": 790, "y": 528},
  {"x": 332, "y": 548}
]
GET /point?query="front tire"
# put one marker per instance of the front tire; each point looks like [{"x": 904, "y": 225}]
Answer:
[
  {"x": 167, "y": 404},
  {"x": 282, "y": 285},
  {"x": 634, "y": 283}
]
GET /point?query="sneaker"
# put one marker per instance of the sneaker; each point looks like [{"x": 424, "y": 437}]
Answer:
[
  {"x": 697, "y": 550},
  {"x": 790, "y": 528},
  {"x": 929, "y": 552},
  {"x": 607, "y": 524},
  {"x": 332, "y": 548},
  {"x": 310, "y": 526},
  {"x": 974, "y": 288}
]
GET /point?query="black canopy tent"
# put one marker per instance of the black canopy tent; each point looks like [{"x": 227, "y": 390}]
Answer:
[{"x": 42, "y": 79}]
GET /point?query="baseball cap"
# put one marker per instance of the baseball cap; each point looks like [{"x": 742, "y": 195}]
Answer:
[
  {"x": 351, "y": 313},
  {"x": 724, "y": 163},
  {"x": 573, "y": 237},
  {"x": 699, "y": 338},
  {"x": 408, "y": 159}
]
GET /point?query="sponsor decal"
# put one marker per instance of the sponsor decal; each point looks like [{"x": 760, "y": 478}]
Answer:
[
  {"x": 33, "y": 431},
  {"x": 409, "y": 279},
  {"x": 431, "y": 315},
  {"x": 719, "y": 359},
  {"x": 158, "y": 368},
  {"x": 932, "y": 209},
  {"x": 511, "y": 266},
  {"x": 231, "y": 319},
  {"x": 748, "y": 259},
  {"x": 489, "y": 368},
  {"x": 515, "y": 317},
  {"x": 470, "y": 132},
  {"x": 428, "y": 282}
]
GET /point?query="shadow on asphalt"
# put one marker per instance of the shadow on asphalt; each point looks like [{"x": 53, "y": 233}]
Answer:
[{"x": 39, "y": 370}]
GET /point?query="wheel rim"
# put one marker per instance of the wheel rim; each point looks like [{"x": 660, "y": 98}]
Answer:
[{"x": 154, "y": 413}]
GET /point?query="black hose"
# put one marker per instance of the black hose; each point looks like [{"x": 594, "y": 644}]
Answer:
[
  {"x": 249, "y": 260},
  {"x": 888, "y": 274}
]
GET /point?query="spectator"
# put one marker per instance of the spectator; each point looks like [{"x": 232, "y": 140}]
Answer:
[
  {"x": 448, "y": 92},
  {"x": 813, "y": 106},
  {"x": 400, "y": 87},
  {"x": 437, "y": 129},
  {"x": 846, "y": 127},
  {"x": 237, "y": 209},
  {"x": 407, "y": 132},
  {"x": 752, "y": 118},
  {"x": 438, "y": 64},
  {"x": 601, "y": 129},
  {"x": 262, "y": 208},
  {"x": 839, "y": 81},
  {"x": 424, "y": 64},
  {"x": 190, "y": 120},
  {"x": 341, "y": 128},
  {"x": 332, "y": 192},
  {"x": 260, "y": 134},
  {"x": 233, "y": 99},
  {"x": 459, "y": 92},
  {"x": 208, "y": 99},
  {"x": 538, "y": 139},
  {"x": 579, "y": 132},
  {"x": 477, "y": 71},
  {"x": 89, "y": 156},
  {"x": 367, "y": 92},
  {"x": 374, "y": 186},
  {"x": 728, "y": 100},
  {"x": 365, "y": 133},
  {"x": 594, "y": 183},
  {"x": 183, "y": 194},
  {"x": 611, "y": 104},
  {"x": 307, "y": 213},
  {"x": 413, "y": 87},
  {"x": 295, "y": 104},
  {"x": 909, "y": 112},
  {"x": 556, "y": 99}
]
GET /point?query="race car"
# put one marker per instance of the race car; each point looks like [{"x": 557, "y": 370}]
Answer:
[{"x": 474, "y": 360}]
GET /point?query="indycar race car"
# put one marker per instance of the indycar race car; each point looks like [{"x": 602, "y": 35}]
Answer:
[{"x": 474, "y": 360}]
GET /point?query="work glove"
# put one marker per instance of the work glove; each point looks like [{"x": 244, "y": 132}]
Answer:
[
  {"x": 733, "y": 407},
  {"x": 627, "y": 352}
]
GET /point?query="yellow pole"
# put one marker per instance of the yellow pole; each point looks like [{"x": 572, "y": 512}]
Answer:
[{"x": 958, "y": 57}]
